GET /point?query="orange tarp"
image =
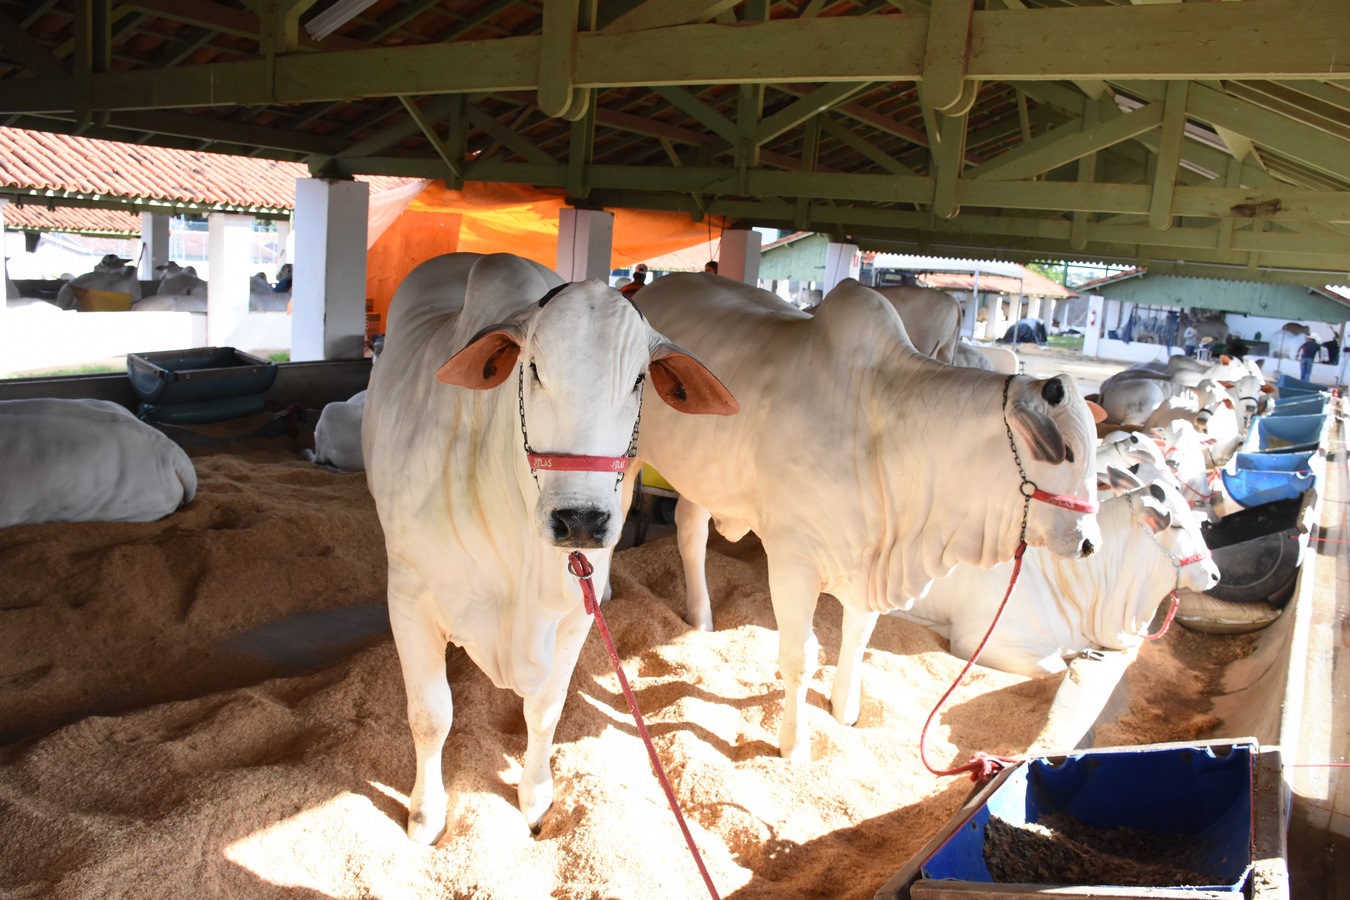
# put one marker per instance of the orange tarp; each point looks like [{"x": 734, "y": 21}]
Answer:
[{"x": 496, "y": 218}]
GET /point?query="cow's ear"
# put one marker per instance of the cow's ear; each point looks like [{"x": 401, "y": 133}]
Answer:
[
  {"x": 1121, "y": 481},
  {"x": 1039, "y": 431},
  {"x": 486, "y": 361},
  {"x": 686, "y": 385},
  {"x": 1098, "y": 414},
  {"x": 1151, "y": 508},
  {"x": 1267, "y": 388}
]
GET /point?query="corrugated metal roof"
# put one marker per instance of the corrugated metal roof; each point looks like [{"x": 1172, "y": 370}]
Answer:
[
  {"x": 103, "y": 222},
  {"x": 1254, "y": 298},
  {"x": 44, "y": 164}
]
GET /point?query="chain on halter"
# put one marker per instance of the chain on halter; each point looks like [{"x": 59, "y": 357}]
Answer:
[
  {"x": 1028, "y": 488},
  {"x": 574, "y": 462}
]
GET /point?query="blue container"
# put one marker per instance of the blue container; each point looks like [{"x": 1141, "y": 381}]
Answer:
[
  {"x": 1289, "y": 385},
  {"x": 1204, "y": 794},
  {"x": 1287, "y": 432},
  {"x": 1299, "y": 405},
  {"x": 202, "y": 373},
  {"x": 1266, "y": 477}
]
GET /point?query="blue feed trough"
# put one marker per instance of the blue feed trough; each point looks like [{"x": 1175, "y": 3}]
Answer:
[
  {"x": 1285, "y": 433},
  {"x": 1256, "y": 478},
  {"x": 1289, "y": 385},
  {"x": 1170, "y": 817},
  {"x": 204, "y": 384},
  {"x": 1299, "y": 405}
]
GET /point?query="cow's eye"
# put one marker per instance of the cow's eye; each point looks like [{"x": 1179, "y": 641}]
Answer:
[
  {"x": 1068, "y": 454},
  {"x": 637, "y": 385},
  {"x": 534, "y": 372}
]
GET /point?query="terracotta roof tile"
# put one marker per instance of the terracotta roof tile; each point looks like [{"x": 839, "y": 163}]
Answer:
[
  {"x": 33, "y": 217},
  {"x": 57, "y": 165}
]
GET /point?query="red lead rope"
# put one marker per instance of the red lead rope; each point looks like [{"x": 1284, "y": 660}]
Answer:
[
  {"x": 982, "y": 765},
  {"x": 580, "y": 566}
]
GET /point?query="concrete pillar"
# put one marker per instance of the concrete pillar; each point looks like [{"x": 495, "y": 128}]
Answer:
[
  {"x": 994, "y": 322},
  {"x": 841, "y": 261},
  {"x": 154, "y": 245},
  {"x": 11, "y": 292},
  {"x": 1093, "y": 327},
  {"x": 740, "y": 255},
  {"x": 229, "y": 241},
  {"x": 970, "y": 313},
  {"x": 328, "y": 296},
  {"x": 1049, "y": 307},
  {"x": 585, "y": 243},
  {"x": 285, "y": 244},
  {"x": 1034, "y": 308}
]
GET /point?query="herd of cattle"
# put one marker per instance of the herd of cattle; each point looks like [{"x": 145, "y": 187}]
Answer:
[
  {"x": 878, "y": 458},
  {"x": 178, "y": 289}
]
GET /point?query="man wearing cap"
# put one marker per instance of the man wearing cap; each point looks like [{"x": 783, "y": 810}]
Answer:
[{"x": 639, "y": 279}]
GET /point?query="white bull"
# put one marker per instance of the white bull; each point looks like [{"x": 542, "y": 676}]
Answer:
[
  {"x": 477, "y": 540},
  {"x": 1060, "y": 609},
  {"x": 866, "y": 469},
  {"x": 87, "y": 461},
  {"x": 110, "y": 274}
]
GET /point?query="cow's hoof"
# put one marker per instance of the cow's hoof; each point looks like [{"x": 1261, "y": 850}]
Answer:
[{"x": 424, "y": 828}]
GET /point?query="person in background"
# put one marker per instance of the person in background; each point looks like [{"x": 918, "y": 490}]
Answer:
[
  {"x": 1189, "y": 338},
  {"x": 639, "y": 279},
  {"x": 1307, "y": 355},
  {"x": 710, "y": 267},
  {"x": 283, "y": 279}
]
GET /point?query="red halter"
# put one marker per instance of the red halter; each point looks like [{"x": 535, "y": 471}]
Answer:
[
  {"x": 1063, "y": 501},
  {"x": 574, "y": 462}
]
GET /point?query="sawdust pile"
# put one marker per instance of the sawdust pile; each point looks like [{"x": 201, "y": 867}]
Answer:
[{"x": 159, "y": 742}]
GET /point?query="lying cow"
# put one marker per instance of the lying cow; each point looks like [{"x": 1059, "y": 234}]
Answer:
[
  {"x": 1059, "y": 609},
  {"x": 477, "y": 532},
  {"x": 110, "y": 274},
  {"x": 337, "y": 436},
  {"x": 87, "y": 461},
  {"x": 180, "y": 281},
  {"x": 866, "y": 468}
]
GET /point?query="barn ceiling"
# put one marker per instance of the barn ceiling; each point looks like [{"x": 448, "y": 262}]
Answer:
[{"x": 1210, "y": 138}]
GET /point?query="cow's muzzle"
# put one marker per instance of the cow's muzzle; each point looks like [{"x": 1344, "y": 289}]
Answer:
[{"x": 580, "y": 527}]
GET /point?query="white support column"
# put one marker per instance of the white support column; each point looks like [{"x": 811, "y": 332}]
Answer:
[
  {"x": 11, "y": 292},
  {"x": 154, "y": 245},
  {"x": 1096, "y": 319},
  {"x": 1050, "y": 306},
  {"x": 740, "y": 255},
  {"x": 994, "y": 323},
  {"x": 1034, "y": 308},
  {"x": 585, "y": 243},
  {"x": 328, "y": 296},
  {"x": 229, "y": 239},
  {"x": 841, "y": 261},
  {"x": 286, "y": 244},
  {"x": 970, "y": 314}
]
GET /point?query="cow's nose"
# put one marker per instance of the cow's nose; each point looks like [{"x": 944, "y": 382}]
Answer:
[
  {"x": 581, "y": 527},
  {"x": 1213, "y": 578},
  {"x": 1087, "y": 549}
]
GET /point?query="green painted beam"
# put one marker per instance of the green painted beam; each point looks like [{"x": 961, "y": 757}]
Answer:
[
  {"x": 700, "y": 111},
  {"x": 663, "y": 13},
  {"x": 1067, "y": 143},
  {"x": 1305, "y": 143},
  {"x": 804, "y": 108},
  {"x": 1169, "y": 155},
  {"x": 507, "y": 137},
  {"x": 1278, "y": 39}
]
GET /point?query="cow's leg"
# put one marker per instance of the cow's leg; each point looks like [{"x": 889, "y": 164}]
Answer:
[
  {"x": 542, "y": 711},
  {"x": 691, "y": 530},
  {"x": 421, "y": 654},
  {"x": 794, "y": 591},
  {"x": 854, "y": 633}
]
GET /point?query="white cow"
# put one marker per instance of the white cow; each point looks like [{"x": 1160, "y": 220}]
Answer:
[
  {"x": 932, "y": 319},
  {"x": 261, "y": 297},
  {"x": 110, "y": 274},
  {"x": 866, "y": 468},
  {"x": 477, "y": 540},
  {"x": 181, "y": 281},
  {"x": 337, "y": 436},
  {"x": 967, "y": 355},
  {"x": 1059, "y": 608},
  {"x": 87, "y": 461},
  {"x": 1172, "y": 454}
]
